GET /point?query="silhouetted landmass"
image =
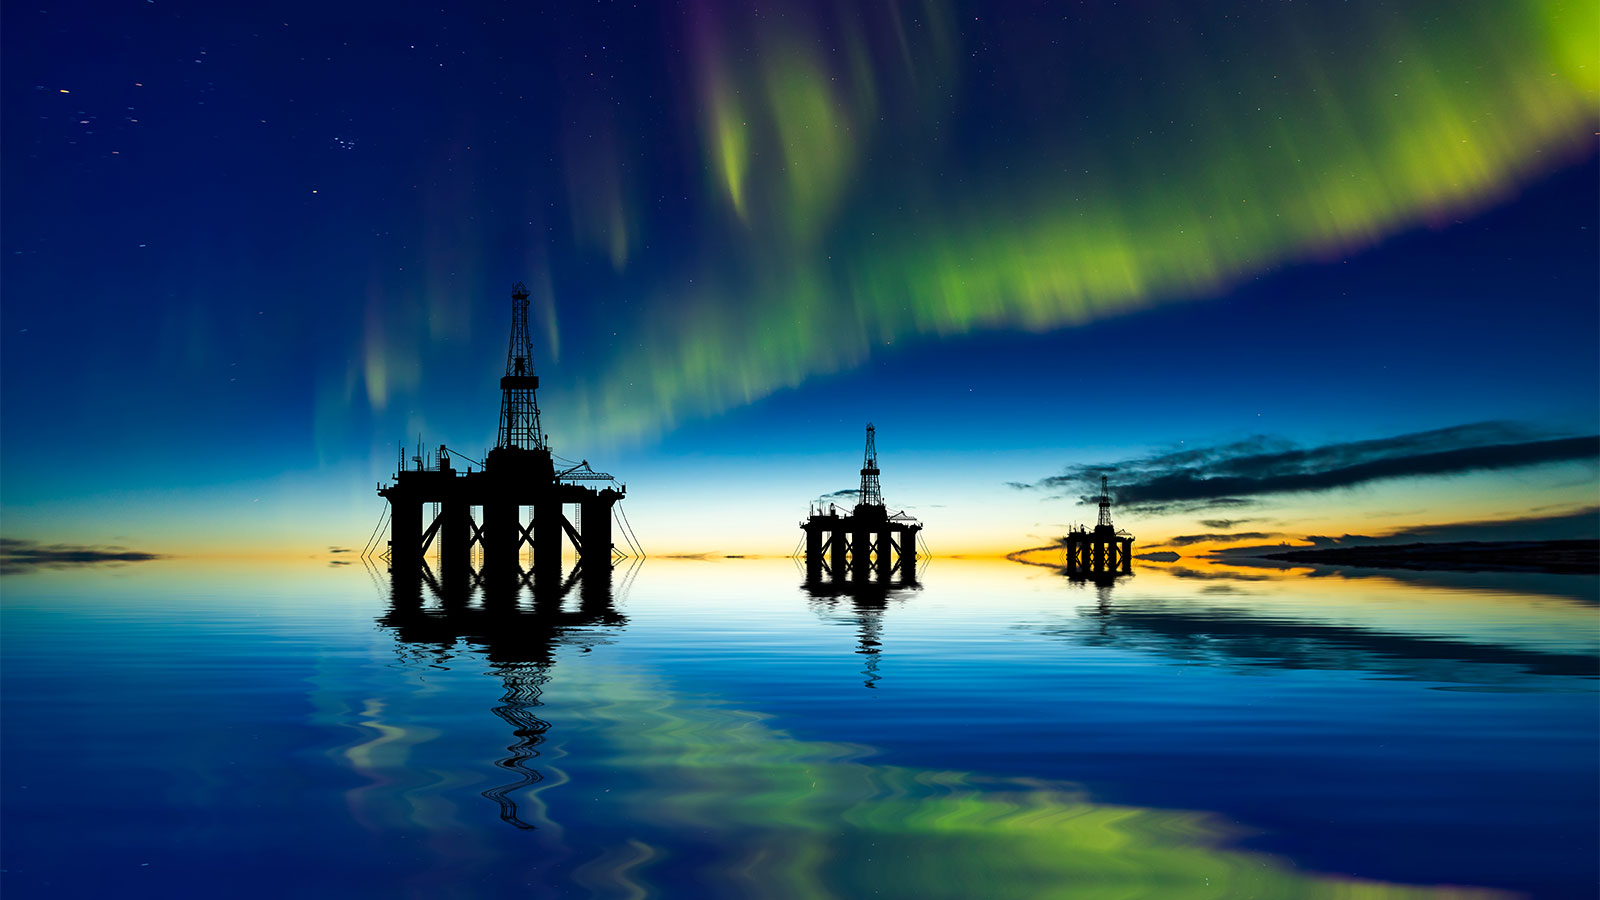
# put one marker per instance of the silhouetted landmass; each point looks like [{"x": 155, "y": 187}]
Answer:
[
  {"x": 1159, "y": 556},
  {"x": 20, "y": 554},
  {"x": 1564, "y": 557}
]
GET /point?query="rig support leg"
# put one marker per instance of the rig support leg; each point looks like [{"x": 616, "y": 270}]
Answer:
[
  {"x": 860, "y": 555},
  {"x": 405, "y": 534},
  {"x": 813, "y": 554},
  {"x": 596, "y": 522},
  {"x": 455, "y": 541},
  {"x": 502, "y": 533},
  {"x": 547, "y": 539},
  {"x": 908, "y": 554}
]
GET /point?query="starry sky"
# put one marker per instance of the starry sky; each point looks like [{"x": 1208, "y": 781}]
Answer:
[{"x": 1284, "y": 271}]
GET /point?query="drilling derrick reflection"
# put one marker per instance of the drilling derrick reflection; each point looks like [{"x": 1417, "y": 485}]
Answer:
[{"x": 518, "y": 633}]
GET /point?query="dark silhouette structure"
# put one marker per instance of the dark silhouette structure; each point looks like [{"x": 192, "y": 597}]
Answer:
[
  {"x": 519, "y": 472},
  {"x": 867, "y": 540},
  {"x": 1102, "y": 553},
  {"x": 518, "y": 636}
]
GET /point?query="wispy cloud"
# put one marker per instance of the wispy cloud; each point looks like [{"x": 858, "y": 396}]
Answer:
[
  {"x": 19, "y": 554},
  {"x": 1226, "y": 524},
  {"x": 1184, "y": 540},
  {"x": 1232, "y": 475},
  {"x": 1582, "y": 524}
]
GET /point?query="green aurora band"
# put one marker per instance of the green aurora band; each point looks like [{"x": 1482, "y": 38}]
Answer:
[{"x": 1172, "y": 180}]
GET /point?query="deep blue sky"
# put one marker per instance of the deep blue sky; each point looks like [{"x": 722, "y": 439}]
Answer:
[{"x": 248, "y": 249}]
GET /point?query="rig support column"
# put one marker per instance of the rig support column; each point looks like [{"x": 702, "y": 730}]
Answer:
[
  {"x": 838, "y": 547},
  {"x": 455, "y": 540},
  {"x": 405, "y": 534},
  {"x": 885, "y": 553},
  {"x": 501, "y": 534},
  {"x": 860, "y": 555},
  {"x": 547, "y": 517},
  {"x": 908, "y": 553},
  {"x": 596, "y": 518}
]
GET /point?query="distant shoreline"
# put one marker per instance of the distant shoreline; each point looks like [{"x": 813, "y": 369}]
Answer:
[{"x": 1553, "y": 557}]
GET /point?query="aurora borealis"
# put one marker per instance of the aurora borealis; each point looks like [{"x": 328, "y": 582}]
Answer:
[
  {"x": 1305, "y": 148},
  {"x": 249, "y": 250}
]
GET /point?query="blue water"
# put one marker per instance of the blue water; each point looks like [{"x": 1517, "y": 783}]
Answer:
[{"x": 713, "y": 729}]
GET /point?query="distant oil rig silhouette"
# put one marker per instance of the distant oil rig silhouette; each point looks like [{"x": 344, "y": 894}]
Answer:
[
  {"x": 519, "y": 472},
  {"x": 866, "y": 540},
  {"x": 1102, "y": 553}
]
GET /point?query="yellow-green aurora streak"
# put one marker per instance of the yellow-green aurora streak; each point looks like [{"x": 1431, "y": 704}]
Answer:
[{"x": 1298, "y": 152}]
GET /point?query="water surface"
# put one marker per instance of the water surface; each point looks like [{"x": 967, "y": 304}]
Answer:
[{"x": 717, "y": 729}]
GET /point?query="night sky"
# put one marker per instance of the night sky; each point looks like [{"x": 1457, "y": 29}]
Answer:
[{"x": 1285, "y": 270}]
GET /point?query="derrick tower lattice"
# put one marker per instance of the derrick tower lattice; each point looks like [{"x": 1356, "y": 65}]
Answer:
[
  {"x": 519, "y": 408},
  {"x": 1105, "y": 506},
  {"x": 871, "y": 491}
]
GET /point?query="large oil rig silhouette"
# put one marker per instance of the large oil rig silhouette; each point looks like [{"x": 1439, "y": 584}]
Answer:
[
  {"x": 1102, "y": 553},
  {"x": 519, "y": 472},
  {"x": 866, "y": 540}
]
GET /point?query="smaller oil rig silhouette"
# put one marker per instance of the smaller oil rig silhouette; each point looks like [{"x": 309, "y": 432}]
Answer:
[
  {"x": 519, "y": 472},
  {"x": 1103, "y": 552},
  {"x": 868, "y": 539}
]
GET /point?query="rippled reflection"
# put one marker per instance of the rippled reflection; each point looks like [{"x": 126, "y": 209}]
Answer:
[
  {"x": 1209, "y": 732},
  {"x": 868, "y": 599},
  {"x": 716, "y": 796},
  {"x": 1237, "y": 618},
  {"x": 518, "y": 636}
]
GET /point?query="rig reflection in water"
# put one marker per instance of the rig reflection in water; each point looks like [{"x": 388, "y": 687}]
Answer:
[
  {"x": 868, "y": 600},
  {"x": 517, "y": 632}
]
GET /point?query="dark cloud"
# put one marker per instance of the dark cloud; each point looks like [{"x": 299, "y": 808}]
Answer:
[
  {"x": 1226, "y": 524},
  {"x": 1255, "y": 551},
  {"x": 339, "y": 550},
  {"x": 1584, "y": 524},
  {"x": 846, "y": 494},
  {"x": 1183, "y": 508},
  {"x": 1159, "y": 556},
  {"x": 1581, "y": 525},
  {"x": 18, "y": 554},
  {"x": 1231, "y": 474},
  {"x": 1184, "y": 540}
]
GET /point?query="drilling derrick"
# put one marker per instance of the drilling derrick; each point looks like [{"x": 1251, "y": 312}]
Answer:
[
  {"x": 519, "y": 408},
  {"x": 1101, "y": 554},
  {"x": 1103, "y": 525},
  {"x": 871, "y": 493},
  {"x": 869, "y": 538}
]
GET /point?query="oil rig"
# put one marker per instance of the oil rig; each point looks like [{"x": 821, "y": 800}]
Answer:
[
  {"x": 482, "y": 511},
  {"x": 1101, "y": 553},
  {"x": 866, "y": 540}
]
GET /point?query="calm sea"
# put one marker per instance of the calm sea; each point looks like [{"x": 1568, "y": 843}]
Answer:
[{"x": 713, "y": 728}]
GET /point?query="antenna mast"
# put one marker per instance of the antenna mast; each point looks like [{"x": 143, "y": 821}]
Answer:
[
  {"x": 519, "y": 410},
  {"x": 871, "y": 492}
]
